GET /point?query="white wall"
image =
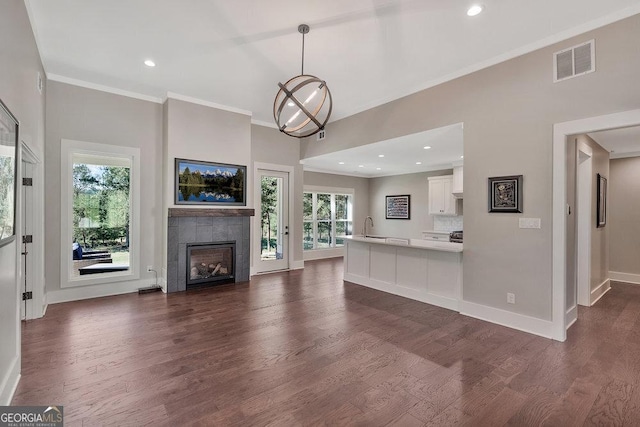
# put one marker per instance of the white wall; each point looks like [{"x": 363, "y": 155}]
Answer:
[
  {"x": 508, "y": 111},
  {"x": 19, "y": 67},
  {"x": 415, "y": 184},
  {"x": 89, "y": 115},
  {"x": 624, "y": 218}
]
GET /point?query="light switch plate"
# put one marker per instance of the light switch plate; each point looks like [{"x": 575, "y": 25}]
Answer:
[{"x": 529, "y": 222}]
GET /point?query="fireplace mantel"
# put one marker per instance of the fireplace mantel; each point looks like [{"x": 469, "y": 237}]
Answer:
[{"x": 213, "y": 212}]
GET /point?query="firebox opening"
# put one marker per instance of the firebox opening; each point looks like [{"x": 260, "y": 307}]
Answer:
[{"x": 210, "y": 263}]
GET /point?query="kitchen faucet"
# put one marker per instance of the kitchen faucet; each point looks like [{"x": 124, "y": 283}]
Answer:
[{"x": 364, "y": 229}]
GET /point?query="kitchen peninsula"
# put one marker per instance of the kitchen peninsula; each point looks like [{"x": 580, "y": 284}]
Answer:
[{"x": 418, "y": 269}]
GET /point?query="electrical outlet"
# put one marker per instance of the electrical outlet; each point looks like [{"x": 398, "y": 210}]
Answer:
[
  {"x": 511, "y": 298},
  {"x": 149, "y": 268}
]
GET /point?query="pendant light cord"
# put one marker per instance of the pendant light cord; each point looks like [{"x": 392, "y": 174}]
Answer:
[{"x": 302, "y": 73}]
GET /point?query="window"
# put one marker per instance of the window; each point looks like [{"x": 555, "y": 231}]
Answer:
[
  {"x": 99, "y": 218},
  {"x": 327, "y": 218}
]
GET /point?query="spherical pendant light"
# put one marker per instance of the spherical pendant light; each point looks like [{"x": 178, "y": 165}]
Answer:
[{"x": 303, "y": 104}]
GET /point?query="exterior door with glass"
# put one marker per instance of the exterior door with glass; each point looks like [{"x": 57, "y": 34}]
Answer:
[{"x": 273, "y": 209}]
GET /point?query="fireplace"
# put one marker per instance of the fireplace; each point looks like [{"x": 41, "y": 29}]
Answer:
[
  {"x": 210, "y": 263},
  {"x": 197, "y": 226}
]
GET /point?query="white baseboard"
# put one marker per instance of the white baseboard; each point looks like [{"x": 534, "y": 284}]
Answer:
[
  {"x": 521, "y": 322},
  {"x": 96, "y": 291},
  {"x": 312, "y": 255},
  {"x": 10, "y": 382},
  {"x": 599, "y": 292},
  {"x": 297, "y": 265},
  {"x": 571, "y": 316},
  {"x": 163, "y": 284},
  {"x": 625, "y": 277}
]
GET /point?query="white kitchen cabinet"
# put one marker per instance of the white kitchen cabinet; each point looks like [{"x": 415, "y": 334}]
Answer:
[
  {"x": 441, "y": 199},
  {"x": 457, "y": 182}
]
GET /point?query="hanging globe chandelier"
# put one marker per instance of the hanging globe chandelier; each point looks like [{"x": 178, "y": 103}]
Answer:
[{"x": 303, "y": 104}]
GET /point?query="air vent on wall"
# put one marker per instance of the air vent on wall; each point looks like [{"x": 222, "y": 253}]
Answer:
[{"x": 574, "y": 61}]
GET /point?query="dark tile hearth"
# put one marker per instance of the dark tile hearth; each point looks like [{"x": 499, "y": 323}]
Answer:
[{"x": 199, "y": 229}]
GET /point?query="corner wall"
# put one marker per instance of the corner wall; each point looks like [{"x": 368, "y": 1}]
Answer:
[
  {"x": 508, "y": 111},
  {"x": 19, "y": 68}
]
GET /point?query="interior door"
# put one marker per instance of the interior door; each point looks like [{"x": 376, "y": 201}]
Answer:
[
  {"x": 273, "y": 208},
  {"x": 26, "y": 264}
]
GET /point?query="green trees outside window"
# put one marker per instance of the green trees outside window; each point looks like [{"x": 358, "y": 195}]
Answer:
[
  {"x": 327, "y": 218},
  {"x": 101, "y": 207}
]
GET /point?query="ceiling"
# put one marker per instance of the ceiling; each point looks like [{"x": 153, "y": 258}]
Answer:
[
  {"x": 395, "y": 156},
  {"x": 622, "y": 142},
  {"x": 233, "y": 53}
]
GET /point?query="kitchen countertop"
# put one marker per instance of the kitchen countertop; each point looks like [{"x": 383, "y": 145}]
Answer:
[{"x": 412, "y": 243}]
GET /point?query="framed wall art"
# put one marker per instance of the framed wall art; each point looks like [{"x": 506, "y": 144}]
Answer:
[
  {"x": 505, "y": 194},
  {"x": 398, "y": 207},
  {"x": 208, "y": 183},
  {"x": 8, "y": 155},
  {"x": 601, "y": 214}
]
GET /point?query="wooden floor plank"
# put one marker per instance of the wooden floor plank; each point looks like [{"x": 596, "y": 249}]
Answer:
[{"x": 306, "y": 348}]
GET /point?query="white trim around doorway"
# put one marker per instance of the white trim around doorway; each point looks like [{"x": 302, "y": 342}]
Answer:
[
  {"x": 255, "y": 226},
  {"x": 559, "y": 240}
]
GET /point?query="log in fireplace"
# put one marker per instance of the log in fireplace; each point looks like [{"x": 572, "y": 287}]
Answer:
[{"x": 210, "y": 263}]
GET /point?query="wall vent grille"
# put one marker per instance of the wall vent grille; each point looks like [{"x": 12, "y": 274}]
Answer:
[{"x": 574, "y": 61}]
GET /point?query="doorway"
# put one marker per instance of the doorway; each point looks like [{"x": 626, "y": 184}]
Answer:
[
  {"x": 272, "y": 220},
  {"x": 561, "y": 287}
]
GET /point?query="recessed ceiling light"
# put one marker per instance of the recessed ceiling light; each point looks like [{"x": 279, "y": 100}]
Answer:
[
  {"x": 427, "y": 147},
  {"x": 380, "y": 155},
  {"x": 462, "y": 157},
  {"x": 475, "y": 10},
  {"x": 341, "y": 163},
  {"x": 418, "y": 163},
  {"x": 149, "y": 63},
  {"x": 360, "y": 166},
  {"x": 378, "y": 169}
]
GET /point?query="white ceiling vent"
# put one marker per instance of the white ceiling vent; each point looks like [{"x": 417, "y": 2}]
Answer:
[{"x": 574, "y": 61}]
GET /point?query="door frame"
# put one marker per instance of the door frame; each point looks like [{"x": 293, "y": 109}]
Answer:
[
  {"x": 38, "y": 305},
  {"x": 584, "y": 186},
  {"x": 255, "y": 253},
  {"x": 559, "y": 206}
]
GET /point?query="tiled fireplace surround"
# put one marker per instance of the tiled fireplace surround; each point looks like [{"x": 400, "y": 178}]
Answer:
[{"x": 206, "y": 225}]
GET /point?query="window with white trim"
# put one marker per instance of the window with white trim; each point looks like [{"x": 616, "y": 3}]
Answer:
[
  {"x": 327, "y": 218},
  {"x": 99, "y": 213}
]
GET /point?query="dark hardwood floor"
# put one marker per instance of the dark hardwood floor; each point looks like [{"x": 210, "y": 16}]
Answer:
[{"x": 304, "y": 348}]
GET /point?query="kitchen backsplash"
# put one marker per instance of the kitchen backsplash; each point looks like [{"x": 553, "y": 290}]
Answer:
[{"x": 447, "y": 223}]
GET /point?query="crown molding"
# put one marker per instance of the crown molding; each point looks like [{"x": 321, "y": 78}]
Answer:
[
  {"x": 102, "y": 88},
  {"x": 263, "y": 123},
  {"x": 185, "y": 98}
]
